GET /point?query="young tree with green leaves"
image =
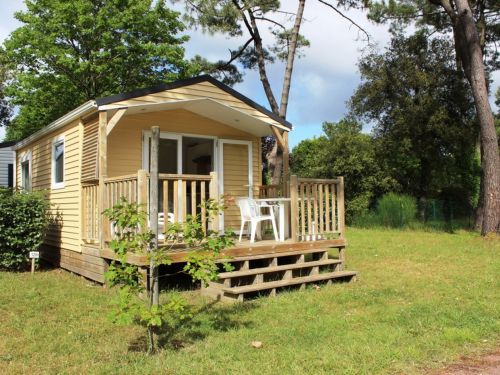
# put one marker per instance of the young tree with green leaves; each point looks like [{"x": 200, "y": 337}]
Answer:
[
  {"x": 67, "y": 52},
  {"x": 474, "y": 25},
  {"x": 130, "y": 237}
]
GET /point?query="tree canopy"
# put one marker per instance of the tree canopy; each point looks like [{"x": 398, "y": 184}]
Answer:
[
  {"x": 474, "y": 26},
  {"x": 424, "y": 134},
  {"x": 5, "y": 109},
  {"x": 68, "y": 52},
  {"x": 425, "y": 14},
  {"x": 422, "y": 113}
]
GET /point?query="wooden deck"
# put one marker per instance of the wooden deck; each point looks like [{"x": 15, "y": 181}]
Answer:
[
  {"x": 268, "y": 266},
  {"x": 240, "y": 249}
]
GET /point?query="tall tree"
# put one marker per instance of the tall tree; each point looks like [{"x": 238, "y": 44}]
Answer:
[
  {"x": 67, "y": 52},
  {"x": 248, "y": 17},
  {"x": 423, "y": 116},
  {"x": 473, "y": 25}
]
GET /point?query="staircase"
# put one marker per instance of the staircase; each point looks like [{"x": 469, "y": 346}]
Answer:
[{"x": 268, "y": 273}]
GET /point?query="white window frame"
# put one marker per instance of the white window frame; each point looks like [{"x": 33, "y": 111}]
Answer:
[
  {"x": 55, "y": 142},
  {"x": 146, "y": 136},
  {"x": 26, "y": 157}
]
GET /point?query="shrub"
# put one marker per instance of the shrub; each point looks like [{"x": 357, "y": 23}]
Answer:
[
  {"x": 396, "y": 210},
  {"x": 23, "y": 224}
]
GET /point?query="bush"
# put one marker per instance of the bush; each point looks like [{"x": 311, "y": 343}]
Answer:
[
  {"x": 396, "y": 210},
  {"x": 23, "y": 224}
]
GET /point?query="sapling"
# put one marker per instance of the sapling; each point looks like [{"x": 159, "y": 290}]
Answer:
[{"x": 131, "y": 236}]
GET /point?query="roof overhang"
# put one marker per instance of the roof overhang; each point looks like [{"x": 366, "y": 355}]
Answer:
[
  {"x": 191, "y": 81},
  {"x": 211, "y": 109},
  {"x": 69, "y": 117}
]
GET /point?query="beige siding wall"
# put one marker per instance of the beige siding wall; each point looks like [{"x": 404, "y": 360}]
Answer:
[
  {"x": 235, "y": 162},
  {"x": 65, "y": 202},
  {"x": 125, "y": 146}
]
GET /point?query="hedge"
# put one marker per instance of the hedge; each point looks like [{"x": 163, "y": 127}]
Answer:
[{"x": 23, "y": 223}]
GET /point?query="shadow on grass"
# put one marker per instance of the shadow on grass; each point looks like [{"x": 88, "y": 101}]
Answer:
[{"x": 211, "y": 317}]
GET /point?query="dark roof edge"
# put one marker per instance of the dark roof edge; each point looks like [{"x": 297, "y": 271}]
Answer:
[
  {"x": 192, "y": 81},
  {"x": 7, "y": 144}
]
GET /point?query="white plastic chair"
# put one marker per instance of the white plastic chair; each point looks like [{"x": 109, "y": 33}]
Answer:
[{"x": 250, "y": 212}]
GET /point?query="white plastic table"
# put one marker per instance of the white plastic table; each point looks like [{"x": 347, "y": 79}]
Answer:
[{"x": 282, "y": 208}]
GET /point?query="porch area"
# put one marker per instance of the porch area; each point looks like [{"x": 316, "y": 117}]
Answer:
[
  {"x": 312, "y": 251},
  {"x": 313, "y": 209}
]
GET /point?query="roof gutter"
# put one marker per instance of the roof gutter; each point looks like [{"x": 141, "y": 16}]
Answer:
[{"x": 78, "y": 112}]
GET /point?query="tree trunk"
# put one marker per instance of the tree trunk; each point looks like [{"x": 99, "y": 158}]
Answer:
[
  {"x": 278, "y": 159},
  {"x": 479, "y": 212},
  {"x": 275, "y": 162},
  {"x": 469, "y": 49}
]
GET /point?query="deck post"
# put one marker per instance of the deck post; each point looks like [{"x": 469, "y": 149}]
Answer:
[
  {"x": 214, "y": 194},
  {"x": 103, "y": 172},
  {"x": 294, "y": 207},
  {"x": 153, "y": 213},
  {"x": 341, "y": 207},
  {"x": 142, "y": 190},
  {"x": 286, "y": 166}
]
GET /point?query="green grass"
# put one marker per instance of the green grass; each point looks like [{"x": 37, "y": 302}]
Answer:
[{"x": 422, "y": 299}]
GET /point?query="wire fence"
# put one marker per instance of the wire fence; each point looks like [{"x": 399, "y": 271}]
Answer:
[{"x": 439, "y": 214}]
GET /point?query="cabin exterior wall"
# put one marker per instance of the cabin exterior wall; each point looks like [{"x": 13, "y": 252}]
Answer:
[{"x": 63, "y": 244}]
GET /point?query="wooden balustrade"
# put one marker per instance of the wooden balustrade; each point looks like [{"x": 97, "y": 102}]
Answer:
[
  {"x": 182, "y": 194},
  {"x": 270, "y": 191},
  {"x": 121, "y": 187},
  {"x": 317, "y": 207},
  {"x": 90, "y": 213},
  {"x": 179, "y": 196}
]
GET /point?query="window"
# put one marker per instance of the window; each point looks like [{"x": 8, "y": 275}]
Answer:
[
  {"x": 58, "y": 163},
  {"x": 26, "y": 171},
  {"x": 10, "y": 175}
]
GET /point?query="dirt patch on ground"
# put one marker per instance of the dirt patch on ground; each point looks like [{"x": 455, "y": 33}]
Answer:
[{"x": 485, "y": 365}]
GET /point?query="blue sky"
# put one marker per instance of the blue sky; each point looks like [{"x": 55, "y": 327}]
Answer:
[{"x": 323, "y": 79}]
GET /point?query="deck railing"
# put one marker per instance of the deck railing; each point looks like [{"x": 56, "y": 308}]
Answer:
[
  {"x": 317, "y": 208},
  {"x": 270, "y": 191},
  {"x": 316, "y": 205},
  {"x": 180, "y": 195},
  {"x": 121, "y": 187}
]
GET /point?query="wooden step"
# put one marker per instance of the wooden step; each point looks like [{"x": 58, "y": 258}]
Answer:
[
  {"x": 283, "y": 283},
  {"x": 285, "y": 267},
  {"x": 275, "y": 255}
]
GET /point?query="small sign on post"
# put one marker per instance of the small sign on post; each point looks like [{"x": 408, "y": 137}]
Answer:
[{"x": 34, "y": 255}]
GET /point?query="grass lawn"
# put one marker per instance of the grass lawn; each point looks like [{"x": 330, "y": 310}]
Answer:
[{"x": 422, "y": 299}]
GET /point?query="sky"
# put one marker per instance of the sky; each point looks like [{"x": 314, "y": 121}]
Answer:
[{"x": 323, "y": 79}]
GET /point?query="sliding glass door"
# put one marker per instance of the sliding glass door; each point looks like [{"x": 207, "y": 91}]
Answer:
[{"x": 181, "y": 155}]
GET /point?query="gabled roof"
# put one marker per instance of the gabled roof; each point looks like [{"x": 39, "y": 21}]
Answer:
[
  {"x": 92, "y": 106},
  {"x": 192, "y": 81}
]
